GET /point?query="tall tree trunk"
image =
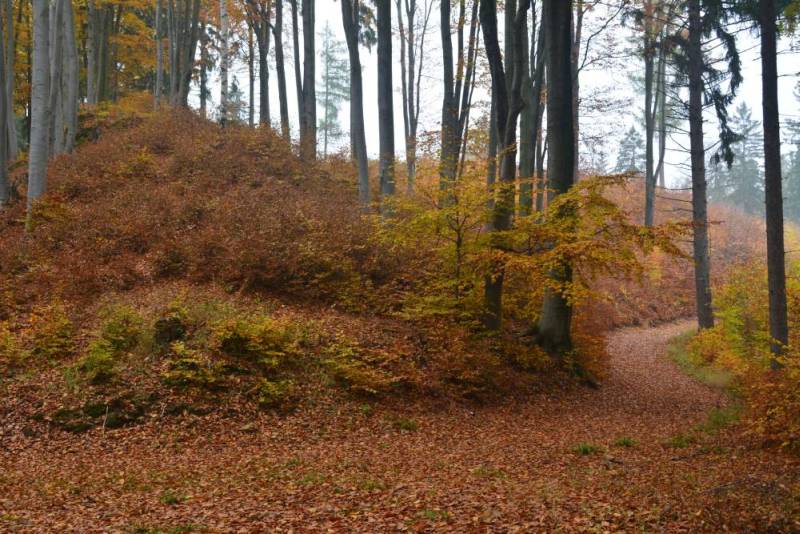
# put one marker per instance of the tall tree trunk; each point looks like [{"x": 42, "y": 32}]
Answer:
[
  {"x": 224, "y": 62},
  {"x": 91, "y": 52},
  {"x": 10, "y": 68},
  {"x": 251, "y": 77},
  {"x": 649, "y": 123},
  {"x": 776, "y": 261},
  {"x": 159, "y": 57},
  {"x": 308, "y": 136},
  {"x": 662, "y": 115},
  {"x": 5, "y": 188},
  {"x": 40, "y": 99},
  {"x": 556, "y": 318},
  {"x": 298, "y": 76},
  {"x": 203, "y": 71},
  {"x": 508, "y": 105},
  {"x": 531, "y": 119},
  {"x": 71, "y": 79},
  {"x": 385, "y": 99},
  {"x": 702, "y": 267},
  {"x": 263, "y": 73},
  {"x": 56, "y": 54},
  {"x": 358, "y": 141},
  {"x": 458, "y": 84},
  {"x": 280, "y": 69},
  {"x": 576, "y": 82}
]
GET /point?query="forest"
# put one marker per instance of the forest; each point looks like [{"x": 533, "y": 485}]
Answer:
[{"x": 399, "y": 266}]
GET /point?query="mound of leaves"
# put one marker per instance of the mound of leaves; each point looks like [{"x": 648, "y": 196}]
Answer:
[{"x": 174, "y": 197}]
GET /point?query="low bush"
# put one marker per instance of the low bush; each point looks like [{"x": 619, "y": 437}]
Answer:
[{"x": 52, "y": 334}]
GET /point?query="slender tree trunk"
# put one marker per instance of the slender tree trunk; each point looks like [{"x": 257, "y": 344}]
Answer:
[
  {"x": 662, "y": 116},
  {"x": 556, "y": 318},
  {"x": 264, "y": 115},
  {"x": 702, "y": 268},
  {"x": 203, "y": 72},
  {"x": 56, "y": 53},
  {"x": 649, "y": 74},
  {"x": 308, "y": 136},
  {"x": 385, "y": 99},
  {"x": 159, "y": 58},
  {"x": 91, "y": 53},
  {"x": 576, "y": 83},
  {"x": 5, "y": 188},
  {"x": 10, "y": 69},
  {"x": 298, "y": 77},
  {"x": 280, "y": 69},
  {"x": 508, "y": 105},
  {"x": 40, "y": 99},
  {"x": 71, "y": 79},
  {"x": 358, "y": 140},
  {"x": 251, "y": 78},
  {"x": 224, "y": 62},
  {"x": 776, "y": 260}
]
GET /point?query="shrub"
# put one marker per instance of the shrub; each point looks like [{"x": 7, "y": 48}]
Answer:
[
  {"x": 347, "y": 368},
  {"x": 190, "y": 369},
  {"x": 99, "y": 362},
  {"x": 122, "y": 327},
  {"x": 269, "y": 342},
  {"x": 52, "y": 333},
  {"x": 11, "y": 354},
  {"x": 171, "y": 326},
  {"x": 275, "y": 394}
]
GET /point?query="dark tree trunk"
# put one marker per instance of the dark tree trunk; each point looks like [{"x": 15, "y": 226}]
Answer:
[
  {"x": 280, "y": 69},
  {"x": 556, "y": 318},
  {"x": 385, "y": 98},
  {"x": 308, "y": 135},
  {"x": 508, "y": 105},
  {"x": 358, "y": 141},
  {"x": 702, "y": 268},
  {"x": 649, "y": 120},
  {"x": 776, "y": 263}
]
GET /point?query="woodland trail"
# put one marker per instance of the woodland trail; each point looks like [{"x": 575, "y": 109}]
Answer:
[{"x": 514, "y": 467}]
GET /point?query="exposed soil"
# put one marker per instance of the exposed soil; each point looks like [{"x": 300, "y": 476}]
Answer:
[{"x": 628, "y": 456}]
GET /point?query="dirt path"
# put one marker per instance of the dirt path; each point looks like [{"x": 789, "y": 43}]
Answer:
[{"x": 626, "y": 457}]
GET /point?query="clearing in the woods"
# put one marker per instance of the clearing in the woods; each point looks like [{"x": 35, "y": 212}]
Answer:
[{"x": 648, "y": 450}]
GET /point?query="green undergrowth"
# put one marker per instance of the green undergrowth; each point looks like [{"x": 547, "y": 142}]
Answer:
[
  {"x": 177, "y": 351},
  {"x": 693, "y": 365}
]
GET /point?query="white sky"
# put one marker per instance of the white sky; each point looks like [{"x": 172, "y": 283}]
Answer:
[{"x": 616, "y": 81}]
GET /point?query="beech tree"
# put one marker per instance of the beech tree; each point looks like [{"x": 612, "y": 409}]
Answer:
[
  {"x": 412, "y": 63},
  {"x": 458, "y": 78},
  {"x": 352, "y": 14},
  {"x": 183, "y": 29},
  {"x": 224, "y": 61},
  {"x": 385, "y": 99},
  {"x": 280, "y": 69},
  {"x": 40, "y": 103},
  {"x": 554, "y": 328},
  {"x": 508, "y": 105}
]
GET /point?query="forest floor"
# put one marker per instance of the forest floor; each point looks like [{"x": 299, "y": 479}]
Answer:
[{"x": 647, "y": 451}]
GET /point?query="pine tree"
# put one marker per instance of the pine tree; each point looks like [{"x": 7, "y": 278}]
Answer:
[
  {"x": 744, "y": 186},
  {"x": 334, "y": 87},
  {"x": 631, "y": 156}
]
